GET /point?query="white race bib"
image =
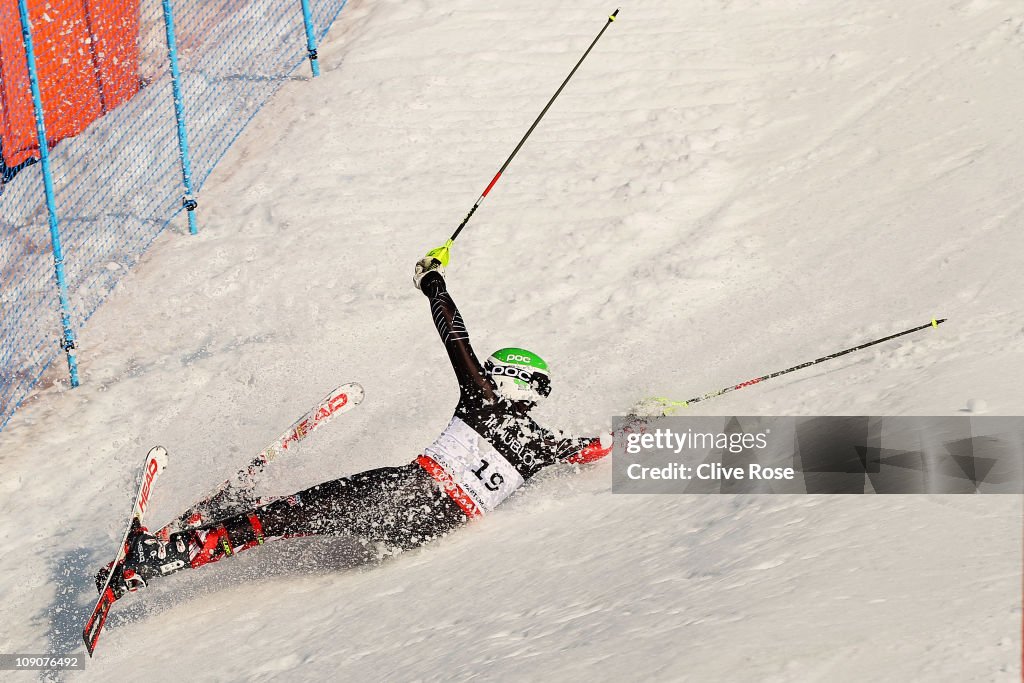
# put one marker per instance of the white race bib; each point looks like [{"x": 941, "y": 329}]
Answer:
[{"x": 473, "y": 463}]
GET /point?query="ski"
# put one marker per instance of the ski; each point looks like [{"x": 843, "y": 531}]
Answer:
[
  {"x": 156, "y": 462},
  {"x": 236, "y": 491}
]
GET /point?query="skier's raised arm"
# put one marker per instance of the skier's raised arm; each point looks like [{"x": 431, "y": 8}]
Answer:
[{"x": 429, "y": 278}]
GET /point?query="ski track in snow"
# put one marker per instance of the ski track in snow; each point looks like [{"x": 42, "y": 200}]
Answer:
[{"x": 725, "y": 189}]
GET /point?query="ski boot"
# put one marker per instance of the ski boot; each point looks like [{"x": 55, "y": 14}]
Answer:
[{"x": 146, "y": 556}]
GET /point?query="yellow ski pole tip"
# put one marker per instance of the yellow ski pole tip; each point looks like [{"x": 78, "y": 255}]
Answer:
[{"x": 671, "y": 408}]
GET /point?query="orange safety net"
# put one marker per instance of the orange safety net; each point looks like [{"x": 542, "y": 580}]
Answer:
[{"x": 88, "y": 62}]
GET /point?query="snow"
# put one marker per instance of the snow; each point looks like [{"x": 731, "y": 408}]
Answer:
[
  {"x": 726, "y": 188},
  {"x": 977, "y": 405}
]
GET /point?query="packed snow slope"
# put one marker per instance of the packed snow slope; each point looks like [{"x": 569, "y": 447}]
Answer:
[{"x": 727, "y": 188}]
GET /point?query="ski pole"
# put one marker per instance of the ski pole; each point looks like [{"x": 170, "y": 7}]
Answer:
[
  {"x": 668, "y": 405},
  {"x": 443, "y": 253}
]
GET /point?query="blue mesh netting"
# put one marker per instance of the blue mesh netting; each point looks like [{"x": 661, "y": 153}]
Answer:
[{"x": 118, "y": 182}]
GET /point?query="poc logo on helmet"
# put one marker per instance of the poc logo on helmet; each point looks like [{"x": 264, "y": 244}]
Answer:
[
  {"x": 510, "y": 371},
  {"x": 516, "y": 357}
]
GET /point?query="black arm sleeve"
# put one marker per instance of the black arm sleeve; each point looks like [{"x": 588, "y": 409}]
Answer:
[{"x": 473, "y": 381}]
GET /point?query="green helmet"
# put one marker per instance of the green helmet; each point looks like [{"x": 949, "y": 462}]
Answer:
[{"x": 520, "y": 375}]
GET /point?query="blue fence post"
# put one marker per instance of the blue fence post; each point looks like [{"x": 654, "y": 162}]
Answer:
[
  {"x": 189, "y": 201},
  {"x": 67, "y": 343},
  {"x": 307, "y": 18}
]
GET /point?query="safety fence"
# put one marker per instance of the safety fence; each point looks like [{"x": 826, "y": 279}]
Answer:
[{"x": 139, "y": 100}]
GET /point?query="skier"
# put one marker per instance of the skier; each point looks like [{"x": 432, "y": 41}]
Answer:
[{"x": 489, "y": 449}]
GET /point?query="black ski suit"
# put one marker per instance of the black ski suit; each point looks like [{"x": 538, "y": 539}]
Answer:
[{"x": 487, "y": 451}]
